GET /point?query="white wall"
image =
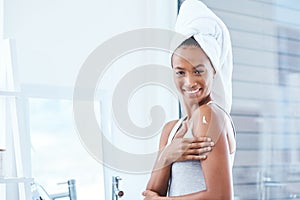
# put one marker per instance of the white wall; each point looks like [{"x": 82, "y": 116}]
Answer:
[
  {"x": 1, "y": 18},
  {"x": 52, "y": 39}
]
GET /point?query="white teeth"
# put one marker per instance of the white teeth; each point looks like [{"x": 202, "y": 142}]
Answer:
[{"x": 192, "y": 91}]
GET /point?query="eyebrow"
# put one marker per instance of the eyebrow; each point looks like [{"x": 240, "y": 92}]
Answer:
[
  {"x": 180, "y": 68},
  {"x": 199, "y": 65}
]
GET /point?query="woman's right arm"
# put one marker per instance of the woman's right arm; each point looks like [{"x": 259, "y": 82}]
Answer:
[{"x": 160, "y": 175}]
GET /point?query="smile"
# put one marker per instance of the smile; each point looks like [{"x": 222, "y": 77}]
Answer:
[{"x": 192, "y": 91}]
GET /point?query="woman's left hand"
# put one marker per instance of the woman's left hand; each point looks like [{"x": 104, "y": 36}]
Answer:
[{"x": 150, "y": 195}]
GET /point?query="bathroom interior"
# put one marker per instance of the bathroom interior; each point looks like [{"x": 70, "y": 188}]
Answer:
[{"x": 43, "y": 47}]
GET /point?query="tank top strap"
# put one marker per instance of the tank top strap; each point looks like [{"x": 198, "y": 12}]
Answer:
[
  {"x": 232, "y": 124},
  {"x": 175, "y": 129}
]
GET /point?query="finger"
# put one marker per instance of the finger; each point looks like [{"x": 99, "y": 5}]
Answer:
[
  {"x": 204, "y": 150},
  {"x": 202, "y": 139},
  {"x": 188, "y": 143},
  {"x": 188, "y": 140},
  {"x": 201, "y": 157},
  {"x": 194, "y": 157},
  {"x": 197, "y": 151},
  {"x": 144, "y": 193},
  {"x": 197, "y": 145},
  {"x": 148, "y": 193}
]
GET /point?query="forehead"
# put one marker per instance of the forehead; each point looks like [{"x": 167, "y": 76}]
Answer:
[{"x": 192, "y": 54}]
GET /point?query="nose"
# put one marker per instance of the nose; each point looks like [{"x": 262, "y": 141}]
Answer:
[{"x": 190, "y": 81}]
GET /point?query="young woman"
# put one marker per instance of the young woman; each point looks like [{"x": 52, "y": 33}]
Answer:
[{"x": 211, "y": 178}]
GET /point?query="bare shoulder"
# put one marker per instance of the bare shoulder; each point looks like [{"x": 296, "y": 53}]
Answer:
[
  {"x": 166, "y": 132},
  {"x": 209, "y": 120},
  {"x": 210, "y": 111}
]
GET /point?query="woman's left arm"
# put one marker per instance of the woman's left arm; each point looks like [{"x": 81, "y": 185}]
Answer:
[
  {"x": 217, "y": 173},
  {"x": 216, "y": 168}
]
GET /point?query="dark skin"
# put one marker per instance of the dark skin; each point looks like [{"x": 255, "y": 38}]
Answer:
[
  {"x": 180, "y": 149},
  {"x": 193, "y": 76}
]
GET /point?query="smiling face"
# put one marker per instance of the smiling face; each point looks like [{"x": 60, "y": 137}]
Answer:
[{"x": 193, "y": 74}]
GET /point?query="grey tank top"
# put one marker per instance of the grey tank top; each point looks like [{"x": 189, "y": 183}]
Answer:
[{"x": 186, "y": 176}]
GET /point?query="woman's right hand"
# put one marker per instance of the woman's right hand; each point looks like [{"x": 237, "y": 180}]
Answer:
[{"x": 181, "y": 149}]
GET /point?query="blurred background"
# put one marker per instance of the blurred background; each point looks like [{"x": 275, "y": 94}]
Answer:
[{"x": 43, "y": 45}]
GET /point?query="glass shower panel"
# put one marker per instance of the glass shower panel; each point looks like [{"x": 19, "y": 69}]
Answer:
[
  {"x": 266, "y": 95},
  {"x": 280, "y": 177}
]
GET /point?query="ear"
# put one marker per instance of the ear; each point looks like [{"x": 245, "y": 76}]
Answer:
[{"x": 214, "y": 73}]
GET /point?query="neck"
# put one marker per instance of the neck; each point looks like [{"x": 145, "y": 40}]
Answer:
[{"x": 192, "y": 107}]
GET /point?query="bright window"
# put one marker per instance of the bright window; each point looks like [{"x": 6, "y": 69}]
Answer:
[{"x": 57, "y": 153}]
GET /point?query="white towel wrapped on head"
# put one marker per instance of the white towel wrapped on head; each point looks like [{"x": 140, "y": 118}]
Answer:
[{"x": 196, "y": 19}]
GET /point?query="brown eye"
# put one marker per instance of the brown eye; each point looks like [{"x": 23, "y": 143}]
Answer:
[
  {"x": 198, "y": 72},
  {"x": 180, "y": 73}
]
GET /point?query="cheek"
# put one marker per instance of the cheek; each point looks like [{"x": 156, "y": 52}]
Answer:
[
  {"x": 178, "y": 82},
  {"x": 205, "y": 82}
]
